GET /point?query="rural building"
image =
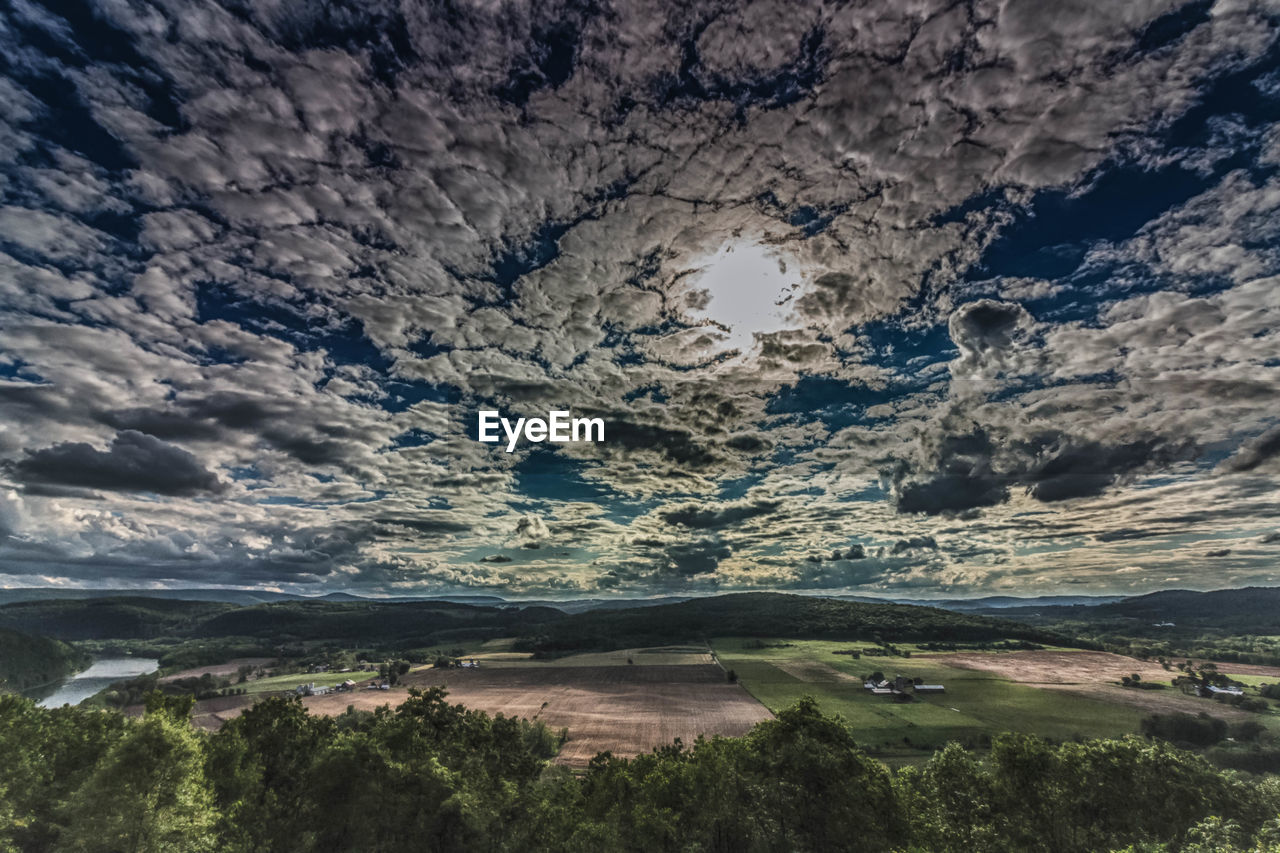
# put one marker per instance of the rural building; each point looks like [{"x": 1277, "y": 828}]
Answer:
[
  {"x": 1224, "y": 691},
  {"x": 899, "y": 687}
]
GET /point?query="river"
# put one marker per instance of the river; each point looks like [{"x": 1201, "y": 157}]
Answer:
[{"x": 76, "y": 688}]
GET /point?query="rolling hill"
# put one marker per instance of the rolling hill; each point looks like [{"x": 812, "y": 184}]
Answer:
[
  {"x": 767, "y": 614},
  {"x": 27, "y": 661}
]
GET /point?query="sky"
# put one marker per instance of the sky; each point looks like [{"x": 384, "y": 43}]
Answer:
[{"x": 907, "y": 299}]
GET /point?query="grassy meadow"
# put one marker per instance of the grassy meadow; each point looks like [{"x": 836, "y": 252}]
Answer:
[{"x": 976, "y": 704}]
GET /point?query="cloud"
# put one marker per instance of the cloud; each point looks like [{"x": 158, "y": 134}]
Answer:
[
  {"x": 963, "y": 478},
  {"x": 916, "y": 543},
  {"x": 1066, "y": 472},
  {"x": 531, "y": 532},
  {"x": 134, "y": 462},
  {"x": 701, "y": 517},
  {"x": 1255, "y": 452},
  {"x": 983, "y": 330},
  {"x": 698, "y": 557},
  {"x": 1026, "y": 261}
]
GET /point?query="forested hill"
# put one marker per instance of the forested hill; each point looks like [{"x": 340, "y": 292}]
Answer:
[
  {"x": 769, "y": 614},
  {"x": 361, "y": 620},
  {"x": 1242, "y": 610},
  {"x": 110, "y": 618},
  {"x": 27, "y": 661},
  {"x": 1252, "y": 610},
  {"x": 425, "y": 622}
]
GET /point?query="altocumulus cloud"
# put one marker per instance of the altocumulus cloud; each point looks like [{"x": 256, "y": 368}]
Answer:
[{"x": 1010, "y": 322}]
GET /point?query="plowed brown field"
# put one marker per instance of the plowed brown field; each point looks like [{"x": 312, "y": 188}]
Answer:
[{"x": 626, "y": 710}]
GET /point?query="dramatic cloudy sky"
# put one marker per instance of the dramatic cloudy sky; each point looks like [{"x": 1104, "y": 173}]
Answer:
[{"x": 908, "y": 298}]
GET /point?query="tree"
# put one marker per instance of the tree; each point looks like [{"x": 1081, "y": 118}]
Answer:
[{"x": 149, "y": 793}]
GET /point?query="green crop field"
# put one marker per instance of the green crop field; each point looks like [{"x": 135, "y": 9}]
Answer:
[
  {"x": 656, "y": 656},
  {"x": 291, "y": 682},
  {"x": 1251, "y": 680},
  {"x": 975, "y": 703}
]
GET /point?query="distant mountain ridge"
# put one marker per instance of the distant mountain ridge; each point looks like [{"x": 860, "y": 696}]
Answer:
[
  {"x": 1252, "y": 607},
  {"x": 251, "y": 597},
  {"x": 410, "y": 624}
]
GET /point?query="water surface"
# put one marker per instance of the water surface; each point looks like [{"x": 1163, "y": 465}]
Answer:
[{"x": 74, "y": 689}]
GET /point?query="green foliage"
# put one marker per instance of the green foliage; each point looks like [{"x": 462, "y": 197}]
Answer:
[
  {"x": 434, "y": 776},
  {"x": 240, "y": 630},
  {"x": 177, "y": 706},
  {"x": 113, "y": 618},
  {"x": 767, "y": 614},
  {"x": 1096, "y": 795},
  {"x": 148, "y": 794},
  {"x": 28, "y": 661},
  {"x": 45, "y": 755},
  {"x": 1197, "y": 730}
]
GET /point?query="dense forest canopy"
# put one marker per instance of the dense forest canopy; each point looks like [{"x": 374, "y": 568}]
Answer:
[
  {"x": 28, "y": 661},
  {"x": 405, "y": 623},
  {"x": 431, "y": 776},
  {"x": 764, "y": 614}
]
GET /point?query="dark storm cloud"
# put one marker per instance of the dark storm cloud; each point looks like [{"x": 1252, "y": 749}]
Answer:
[
  {"x": 428, "y": 524},
  {"x": 162, "y": 424},
  {"x": 699, "y": 557},
  {"x": 915, "y": 543},
  {"x": 682, "y": 447},
  {"x": 1075, "y": 471},
  {"x": 702, "y": 517},
  {"x": 977, "y": 470},
  {"x": 962, "y": 480},
  {"x": 134, "y": 462},
  {"x": 987, "y": 324},
  {"x": 1255, "y": 452}
]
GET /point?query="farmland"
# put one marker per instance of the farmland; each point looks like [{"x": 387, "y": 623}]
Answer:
[
  {"x": 606, "y": 704},
  {"x": 1054, "y": 693},
  {"x": 629, "y": 701}
]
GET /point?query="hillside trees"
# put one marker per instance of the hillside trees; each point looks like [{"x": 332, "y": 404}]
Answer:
[
  {"x": 434, "y": 776},
  {"x": 148, "y": 794}
]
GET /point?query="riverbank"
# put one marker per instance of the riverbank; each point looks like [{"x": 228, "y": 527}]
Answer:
[
  {"x": 29, "y": 662},
  {"x": 99, "y": 676}
]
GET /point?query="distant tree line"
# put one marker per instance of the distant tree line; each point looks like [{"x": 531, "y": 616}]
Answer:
[
  {"x": 431, "y": 776},
  {"x": 28, "y": 661},
  {"x": 775, "y": 615}
]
